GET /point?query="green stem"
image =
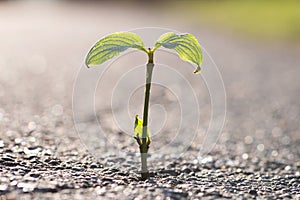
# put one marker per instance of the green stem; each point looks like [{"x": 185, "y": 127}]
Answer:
[{"x": 144, "y": 147}]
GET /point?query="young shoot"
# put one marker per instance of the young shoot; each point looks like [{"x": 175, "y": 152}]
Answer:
[{"x": 185, "y": 45}]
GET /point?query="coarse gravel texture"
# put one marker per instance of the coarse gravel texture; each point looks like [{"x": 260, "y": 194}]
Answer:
[{"x": 42, "y": 156}]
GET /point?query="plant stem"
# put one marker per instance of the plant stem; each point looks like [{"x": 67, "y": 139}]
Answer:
[{"x": 144, "y": 147}]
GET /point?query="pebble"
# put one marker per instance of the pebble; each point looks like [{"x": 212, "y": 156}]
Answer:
[
  {"x": 3, "y": 188},
  {"x": 26, "y": 187},
  {"x": 54, "y": 162},
  {"x": 7, "y": 158},
  {"x": 186, "y": 169},
  {"x": 2, "y": 144},
  {"x": 34, "y": 175},
  {"x": 77, "y": 168},
  {"x": 93, "y": 165},
  {"x": 253, "y": 192},
  {"x": 10, "y": 164}
]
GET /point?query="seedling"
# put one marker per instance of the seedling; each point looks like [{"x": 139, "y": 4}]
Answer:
[{"x": 186, "y": 46}]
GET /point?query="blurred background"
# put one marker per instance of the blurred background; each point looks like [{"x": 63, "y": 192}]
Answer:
[{"x": 255, "y": 44}]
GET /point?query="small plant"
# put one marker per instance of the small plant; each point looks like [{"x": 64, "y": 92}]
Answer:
[{"x": 186, "y": 46}]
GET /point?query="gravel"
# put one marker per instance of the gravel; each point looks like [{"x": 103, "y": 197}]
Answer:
[
  {"x": 42, "y": 157},
  {"x": 30, "y": 170}
]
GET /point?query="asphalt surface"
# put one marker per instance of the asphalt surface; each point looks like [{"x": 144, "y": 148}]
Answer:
[{"x": 42, "y": 155}]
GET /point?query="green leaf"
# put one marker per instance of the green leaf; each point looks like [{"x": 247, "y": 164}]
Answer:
[
  {"x": 138, "y": 128},
  {"x": 186, "y": 46},
  {"x": 111, "y": 46}
]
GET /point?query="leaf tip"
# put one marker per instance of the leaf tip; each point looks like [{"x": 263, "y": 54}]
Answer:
[
  {"x": 87, "y": 64},
  {"x": 197, "y": 71}
]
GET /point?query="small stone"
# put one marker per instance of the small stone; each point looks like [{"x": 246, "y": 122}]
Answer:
[
  {"x": 101, "y": 190},
  {"x": 13, "y": 183},
  {"x": 287, "y": 168},
  {"x": 10, "y": 164},
  {"x": 260, "y": 147},
  {"x": 18, "y": 141},
  {"x": 31, "y": 126},
  {"x": 34, "y": 175},
  {"x": 105, "y": 183},
  {"x": 200, "y": 194},
  {"x": 31, "y": 150},
  {"x": 31, "y": 139},
  {"x": 77, "y": 168},
  {"x": 54, "y": 162},
  {"x": 285, "y": 196},
  {"x": 119, "y": 188},
  {"x": 26, "y": 187},
  {"x": 59, "y": 167},
  {"x": 186, "y": 169},
  {"x": 253, "y": 192},
  {"x": 122, "y": 174},
  {"x": 2, "y": 144},
  {"x": 169, "y": 171},
  {"x": 30, "y": 157},
  {"x": 107, "y": 179},
  {"x": 245, "y": 156},
  {"x": 46, "y": 187},
  {"x": 248, "y": 139},
  {"x": 7, "y": 158},
  {"x": 206, "y": 160},
  {"x": 3, "y": 188},
  {"x": 47, "y": 152},
  {"x": 93, "y": 165}
]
